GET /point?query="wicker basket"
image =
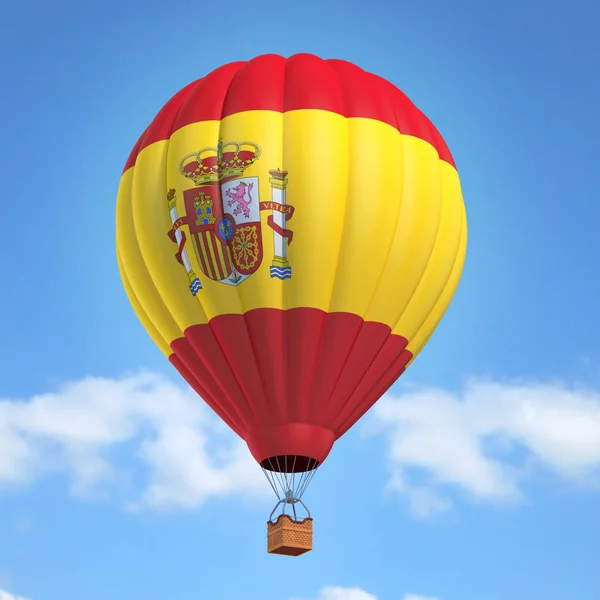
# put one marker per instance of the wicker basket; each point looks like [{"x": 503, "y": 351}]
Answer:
[{"x": 289, "y": 537}]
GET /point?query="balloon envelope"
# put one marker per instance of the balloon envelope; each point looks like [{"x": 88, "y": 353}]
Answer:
[{"x": 290, "y": 233}]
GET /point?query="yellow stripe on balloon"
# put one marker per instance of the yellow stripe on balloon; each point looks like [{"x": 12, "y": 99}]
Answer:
[
  {"x": 158, "y": 339},
  {"x": 442, "y": 260},
  {"x": 418, "y": 204},
  {"x": 418, "y": 341},
  {"x": 134, "y": 271},
  {"x": 379, "y": 225}
]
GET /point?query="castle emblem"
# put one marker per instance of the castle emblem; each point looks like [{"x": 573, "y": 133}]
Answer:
[{"x": 222, "y": 215}]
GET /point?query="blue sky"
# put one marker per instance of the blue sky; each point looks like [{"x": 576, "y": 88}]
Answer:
[{"x": 477, "y": 477}]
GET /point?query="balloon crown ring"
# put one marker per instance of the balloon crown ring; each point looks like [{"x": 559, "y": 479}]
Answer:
[{"x": 215, "y": 163}]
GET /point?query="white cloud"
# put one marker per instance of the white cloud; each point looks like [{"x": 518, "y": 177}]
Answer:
[
  {"x": 341, "y": 593},
  {"x": 488, "y": 440},
  {"x": 7, "y": 596},
  {"x": 190, "y": 455}
]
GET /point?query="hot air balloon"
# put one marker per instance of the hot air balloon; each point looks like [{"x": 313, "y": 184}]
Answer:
[{"x": 290, "y": 232}]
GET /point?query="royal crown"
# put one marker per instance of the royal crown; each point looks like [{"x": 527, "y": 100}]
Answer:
[{"x": 227, "y": 160}]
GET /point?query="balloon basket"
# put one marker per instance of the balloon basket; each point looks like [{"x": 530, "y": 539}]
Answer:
[{"x": 289, "y": 537}]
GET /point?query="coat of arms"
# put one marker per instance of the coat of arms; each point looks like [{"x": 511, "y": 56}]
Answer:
[{"x": 222, "y": 214}]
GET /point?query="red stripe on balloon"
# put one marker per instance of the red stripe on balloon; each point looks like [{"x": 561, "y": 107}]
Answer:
[
  {"x": 291, "y": 382},
  {"x": 303, "y": 81}
]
